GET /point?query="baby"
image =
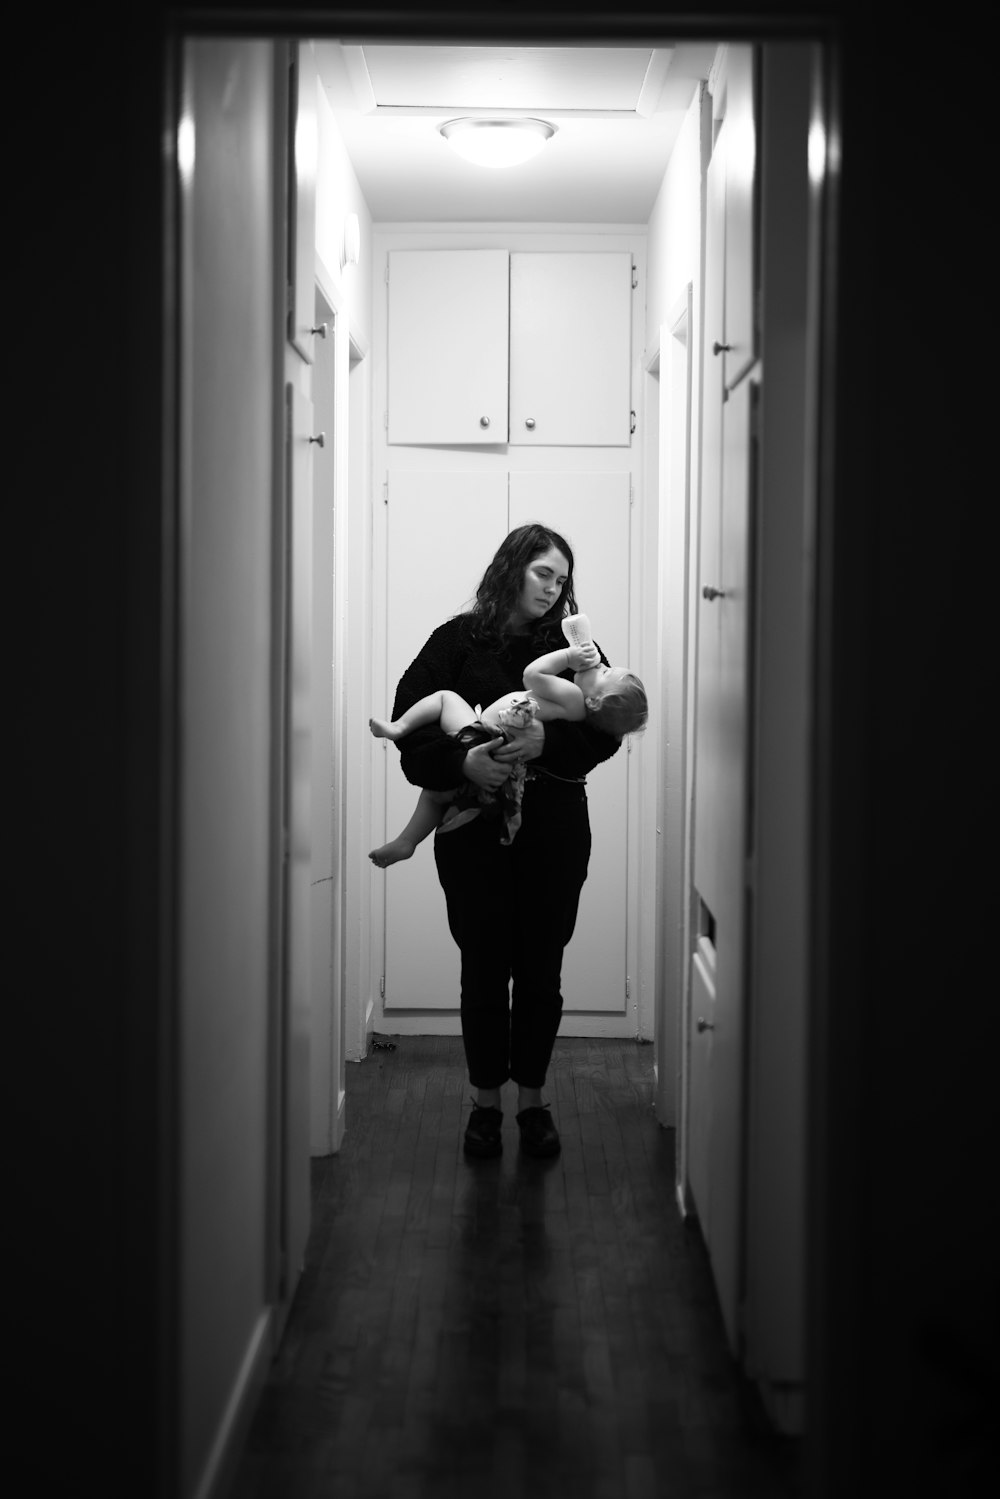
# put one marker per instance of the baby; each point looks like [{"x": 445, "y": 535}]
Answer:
[{"x": 610, "y": 697}]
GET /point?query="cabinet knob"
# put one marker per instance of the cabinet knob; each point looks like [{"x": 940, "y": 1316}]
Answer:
[
  {"x": 320, "y": 328},
  {"x": 319, "y": 440},
  {"x": 718, "y": 348},
  {"x": 712, "y": 593},
  {"x": 529, "y": 422},
  {"x": 484, "y": 421},
  {"x": 704, "y": 1025}
]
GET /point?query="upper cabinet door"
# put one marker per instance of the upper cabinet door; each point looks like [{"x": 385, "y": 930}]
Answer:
[
  {"x": 570, "y": 349},
  {"x": 741, "y": 217},
  {"x": 448, "y": 332}
]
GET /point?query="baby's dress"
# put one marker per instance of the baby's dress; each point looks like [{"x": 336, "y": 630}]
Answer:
[{"x": 474, "y": 801}]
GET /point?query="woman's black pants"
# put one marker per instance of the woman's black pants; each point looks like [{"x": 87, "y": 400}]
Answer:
[{"x": 512, "y": 910}]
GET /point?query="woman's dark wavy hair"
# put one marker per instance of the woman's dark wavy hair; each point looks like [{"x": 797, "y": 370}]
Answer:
[{"x": 501, "y": 585}]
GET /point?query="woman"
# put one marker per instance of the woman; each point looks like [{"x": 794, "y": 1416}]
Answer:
[{"x": 511, "y": 906}]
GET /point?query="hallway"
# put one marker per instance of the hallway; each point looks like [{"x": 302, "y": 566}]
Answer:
[{"x": 518, "y": 1328}]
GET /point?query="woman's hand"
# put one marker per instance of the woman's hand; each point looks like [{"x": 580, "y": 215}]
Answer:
[
  {"x": 524, "y": 744},
  {"x": 482, "y": 770}
]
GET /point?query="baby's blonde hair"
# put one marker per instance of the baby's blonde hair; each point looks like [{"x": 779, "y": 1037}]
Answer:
[{"x": 619, "y": 709}]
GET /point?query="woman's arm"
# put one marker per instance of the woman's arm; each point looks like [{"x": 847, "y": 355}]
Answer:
[{"x": 429, "y": 757}]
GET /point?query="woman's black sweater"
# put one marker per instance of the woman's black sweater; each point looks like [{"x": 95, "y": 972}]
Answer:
[{"x": 480, "y": 673}]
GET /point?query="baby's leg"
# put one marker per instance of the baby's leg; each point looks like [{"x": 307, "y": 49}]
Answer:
[
  {"x": 426, "y": 710},
  {"x": 426, "y": 816},
  {"x": 444, "y": 707}
]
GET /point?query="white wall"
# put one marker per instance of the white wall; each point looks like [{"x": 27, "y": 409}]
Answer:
[
  {"x": 225, "y": 742},
  {"x": 675, "y": 224},
  {"x": 338, "y": 193}
]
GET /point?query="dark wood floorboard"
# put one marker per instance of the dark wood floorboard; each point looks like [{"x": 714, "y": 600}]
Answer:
[{"x": 513, "y": 1328}]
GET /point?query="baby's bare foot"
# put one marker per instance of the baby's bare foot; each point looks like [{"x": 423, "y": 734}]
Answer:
[
  {"x": 382, "y": 728},
  {"x": 392, "y": 852}
]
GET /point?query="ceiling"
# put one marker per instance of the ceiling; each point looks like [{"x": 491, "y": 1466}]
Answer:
[{"x": 617, "y": 112}]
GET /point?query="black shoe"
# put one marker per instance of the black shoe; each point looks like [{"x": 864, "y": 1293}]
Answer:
[
  {"x": 482, "y": 1133},
  {"x": 539, "y": 1136}
]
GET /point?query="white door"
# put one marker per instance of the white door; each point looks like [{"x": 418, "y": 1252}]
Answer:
[
  {"x": 728, "y": 1036},
  {"x": 716, "y": 1099},
  {"x": 296, "y": 1018},
  {"x": 570, "y": 349},
  {"x": 707, "y": 706},
  {"x": 448, "y": 333},
  {"x": 442, "y": 529}
]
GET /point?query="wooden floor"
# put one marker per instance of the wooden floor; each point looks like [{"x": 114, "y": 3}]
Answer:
[{"x": 515, "y": 1328}]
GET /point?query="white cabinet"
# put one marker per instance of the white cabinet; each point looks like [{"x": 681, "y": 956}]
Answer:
[
  {"x": 570, "y": 349},
  {"x": 447, "y": 350},
  {"x": 487, "y": 346}
]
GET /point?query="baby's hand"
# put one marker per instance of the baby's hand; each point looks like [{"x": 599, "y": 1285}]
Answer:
[{"x": 583, "y": 657}]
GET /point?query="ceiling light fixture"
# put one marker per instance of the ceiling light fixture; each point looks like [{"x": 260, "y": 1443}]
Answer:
[{"x": 497, "y": 143}]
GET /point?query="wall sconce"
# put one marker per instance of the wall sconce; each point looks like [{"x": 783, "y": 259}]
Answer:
[
  {"x": 497, "y": 143},
  {"x": 352, "y": 240}
]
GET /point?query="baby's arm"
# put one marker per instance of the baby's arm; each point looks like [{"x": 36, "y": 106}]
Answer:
[{"x": 557, "y": 698}]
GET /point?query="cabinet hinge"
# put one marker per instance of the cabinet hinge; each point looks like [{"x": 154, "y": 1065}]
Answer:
[
  {"x": 632, "y": 419},
  {"x": 385, "y": 492},
  {"x": 387, "y": 273},
  {"x": 631, "y": 494},
  {"x": 628, "y": 987},
  {"x": 635, "y": 276},
  {"x": 385, "y": 419},
  {"x": 381, "y": 987}
]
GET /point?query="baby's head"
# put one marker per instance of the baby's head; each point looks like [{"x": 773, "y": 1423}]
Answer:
[{"x": 618, "y": 703}]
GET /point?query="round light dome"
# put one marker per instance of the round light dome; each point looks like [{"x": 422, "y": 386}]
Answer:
[{"x": 497, "y": 143}]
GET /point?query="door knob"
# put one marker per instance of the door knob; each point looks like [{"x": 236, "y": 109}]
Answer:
[
  {"x": 705, "y": 1025},
  {"x": 484, "y": 421},
  {"x": 529, "y": 422},
  {"x": 712, "y": 593},
  {"x": 718, "y": 348},
  {"x": 319, "y": 440}
]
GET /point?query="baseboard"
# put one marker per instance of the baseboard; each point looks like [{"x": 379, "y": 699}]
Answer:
[{"x": 230, "y": 1438}]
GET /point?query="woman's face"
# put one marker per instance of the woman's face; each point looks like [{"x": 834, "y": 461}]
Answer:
[{"x": 545, "y": 577}]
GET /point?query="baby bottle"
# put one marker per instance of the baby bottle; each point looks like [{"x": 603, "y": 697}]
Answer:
[{"x": 576, "y": 628}]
